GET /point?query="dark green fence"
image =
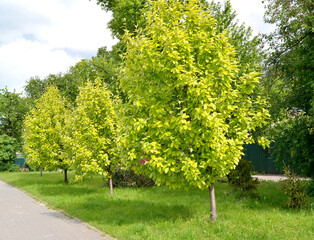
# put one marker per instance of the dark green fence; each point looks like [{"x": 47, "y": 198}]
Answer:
[
  {"x": 20, "y": 162},
  {"x": 261, "y": 159}
]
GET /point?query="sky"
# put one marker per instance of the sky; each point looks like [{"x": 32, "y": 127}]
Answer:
[{"x": 38, "y": 38}]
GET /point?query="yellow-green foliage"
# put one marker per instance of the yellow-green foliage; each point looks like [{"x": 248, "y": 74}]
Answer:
[
  {"x": 189, "y": 113},
  {"x": 44, "y": 133},
  {"x": 94, "y": 132}
]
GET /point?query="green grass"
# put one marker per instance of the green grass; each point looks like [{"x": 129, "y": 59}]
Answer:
[{"x": 162, "y": 213}]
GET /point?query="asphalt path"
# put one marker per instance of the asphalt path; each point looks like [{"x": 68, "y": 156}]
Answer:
[
  {"x": 274, "y": 177},
  {"x": 23, "y": 218}
]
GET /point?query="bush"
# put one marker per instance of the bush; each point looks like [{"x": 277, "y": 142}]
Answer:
[
  {"x": 9, "y": 167},
  {"x": 310, "y": 188},
  {"x": 127, "y": 178},
  {"x": 8, "y": 148},
  {"x": 241, "y": 179},
  {"x": 295, "y": 189}
]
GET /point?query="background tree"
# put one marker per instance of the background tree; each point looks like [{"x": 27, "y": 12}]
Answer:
[
  {"x": 94, "y": 132},
  {"x": 100, "y": 67},
  {"x": 44, "y": 132},
  {"x": 13, "y": 108},
  {"x": 8, "y": 148},
  {"x": 34, "y": 88},
  {"x": 249, "y": 48},
  {"x": 189, "y": 112},
  {"x": 289, "y": 81}
]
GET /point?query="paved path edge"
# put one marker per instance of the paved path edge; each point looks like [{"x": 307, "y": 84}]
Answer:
[{"x": 61, "y": 213}]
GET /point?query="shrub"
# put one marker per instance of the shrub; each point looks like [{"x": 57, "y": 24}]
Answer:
[
  {"x": 310, "y": 188},
  {"x": 9, "y": 167},
  {"x": 241, "y": 179},
  {"x": 295, "y": 189},
  {"x": 8, "y": 148},
  {"x": 127, "y": 178}
]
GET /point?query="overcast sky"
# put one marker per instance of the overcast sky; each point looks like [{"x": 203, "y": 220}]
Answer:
[{"x": 40, "y": 37}]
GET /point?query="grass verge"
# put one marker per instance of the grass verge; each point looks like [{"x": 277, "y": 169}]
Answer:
[{"x": 162, "y": 213}]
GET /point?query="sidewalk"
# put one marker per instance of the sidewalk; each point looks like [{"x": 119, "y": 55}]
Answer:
[
  {"x": 22, "y": 218},
  {"x": 273, "y": 177}
]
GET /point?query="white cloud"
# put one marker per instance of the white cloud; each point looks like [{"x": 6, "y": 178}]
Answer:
[
  {"x": 38, "y": 37},
  {"x": 23, "y": 58},
  {"x": 251, "y": 12}
]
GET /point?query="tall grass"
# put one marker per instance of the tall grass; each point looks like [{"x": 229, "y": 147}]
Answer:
[{"x": 162, "y": 213}]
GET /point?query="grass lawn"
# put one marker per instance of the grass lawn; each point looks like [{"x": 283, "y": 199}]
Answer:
[{"x": 162, "y": 213}]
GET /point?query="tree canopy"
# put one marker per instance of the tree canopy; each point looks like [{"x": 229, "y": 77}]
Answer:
[
  {"x": 289, "y": 81},
  {"x": 94, "y": 132},
  {"x": 189, "y": 111},
  {"x": 13, "y": 108},
  {"x": 44, "y": 132}
]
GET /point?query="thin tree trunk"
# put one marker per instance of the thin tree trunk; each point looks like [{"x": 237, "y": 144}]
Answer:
[
  {"x": 213, "y": 212},
  {"x": 110, "y": 186},
  {"x": 41, "y": 171},
  {"x": 66, "y": 175}
]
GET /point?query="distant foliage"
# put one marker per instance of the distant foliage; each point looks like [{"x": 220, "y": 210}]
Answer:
[
  {"x": 8, "y": 148},
  {"x": 293, "y": 135},
  {"x": 241, "y": 179},
  {"x": 310, "y": 188},
  {"x": 13, "y": 107},
  {"x": 289, "y": 81},
  {"x": 295, "y": 189}
]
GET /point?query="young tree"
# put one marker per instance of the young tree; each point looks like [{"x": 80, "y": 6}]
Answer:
[
  {"x": 94, "y": 132},
  {"x": 44, "y": 132},
  {"x": 189, "y": 113}
]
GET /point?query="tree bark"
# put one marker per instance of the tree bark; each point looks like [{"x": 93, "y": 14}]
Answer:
[
  {"x": 66, "y": 175},
  {"x": 41, "y": 171},
  {"x": 213, "y": 212},
  {"x": 110, "y": 186}
]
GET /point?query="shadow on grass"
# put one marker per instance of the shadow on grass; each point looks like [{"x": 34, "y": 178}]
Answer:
[
  {"x": 49, "y": 185},
  {"x": 71, "y": 190},
  {"x": 124, "y": 212},
  {"x": 270, "y": 197}
]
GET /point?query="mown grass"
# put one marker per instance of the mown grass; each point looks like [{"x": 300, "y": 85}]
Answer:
[{"x": 162, "y": 213}]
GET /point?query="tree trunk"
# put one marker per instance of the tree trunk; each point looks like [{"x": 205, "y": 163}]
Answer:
[
  {"x": 65, "y": 175},
  {"x": 41, "y": 171},
  {"x": 110, "y": 186},
  {"x": 213, "y": 212}
]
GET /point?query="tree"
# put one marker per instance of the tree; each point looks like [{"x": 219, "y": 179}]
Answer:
[
  {"x": 66, "y": 84},
  {"x": 249, "y": 48},
  {"x": 127, "y": 14},
  {"x": 101, "y": 67},
  {"x": 13, "y": 108},
  {"x": 94, "y": 132},
  {"x": 34, "y": 88},
  {"x": 289, "y": 81},
  {"x": 189, "y": 112},
  {"x": 44, "y": 132},
  {"x": 8, "y": 148}
]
